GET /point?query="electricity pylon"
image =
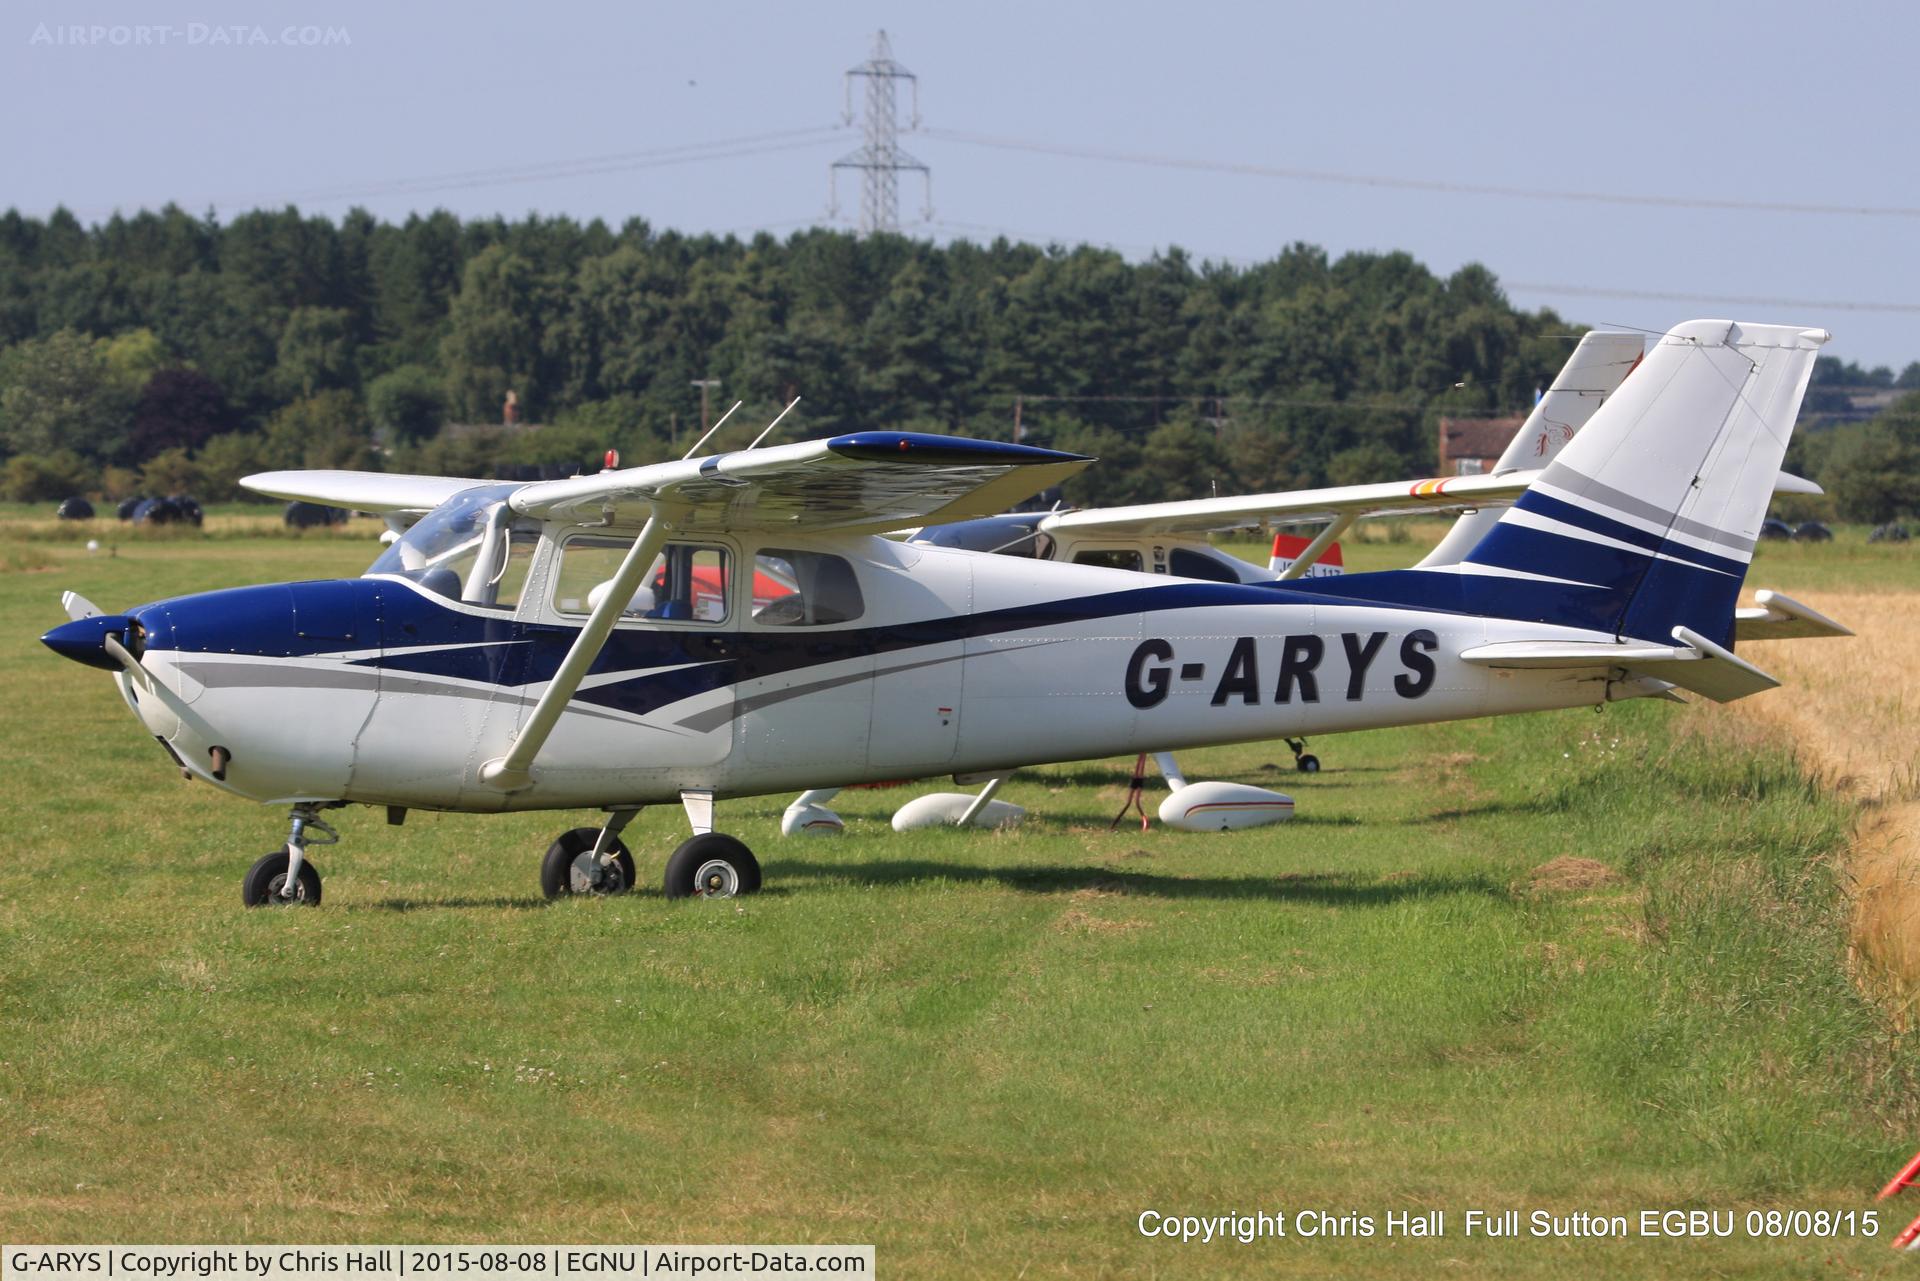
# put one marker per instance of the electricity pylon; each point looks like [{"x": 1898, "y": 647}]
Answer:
[{"x": 880, "y": 159}]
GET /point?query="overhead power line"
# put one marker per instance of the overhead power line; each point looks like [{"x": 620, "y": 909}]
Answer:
[
  {"x": 537, "y": 171},
  {"x": 1743, "y": 300},
  {"x": 1419, "y": 184},
  {"x": 1511, "y": 286}
]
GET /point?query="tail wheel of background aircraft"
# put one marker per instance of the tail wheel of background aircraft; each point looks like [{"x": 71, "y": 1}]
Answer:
[
  {"x": 712, "y": 866},
  {"x": 266, "y": 879},
  {"x": 571, "y": 868}
]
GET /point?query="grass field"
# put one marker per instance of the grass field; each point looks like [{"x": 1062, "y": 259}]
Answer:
[{"x": 987, "y": 1054}]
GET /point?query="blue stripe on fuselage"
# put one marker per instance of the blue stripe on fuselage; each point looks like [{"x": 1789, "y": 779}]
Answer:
[
  {"x": 1480, "y": 595},
  {"x": 1594, "y": 523},
  {"x": 421, "y": 635}
]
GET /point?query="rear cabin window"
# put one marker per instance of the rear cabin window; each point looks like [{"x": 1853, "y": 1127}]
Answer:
[
  {"x": 1113, "y": 558},
  {"x": 1184, "y": 562},
  {"x": 804, "y": 589},
  {"x": 687, "y": 583}
]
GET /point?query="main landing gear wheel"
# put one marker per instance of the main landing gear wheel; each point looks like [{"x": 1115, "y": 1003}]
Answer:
[
  {"x": 712, "y": 866},
  {"x": 571, "y": 868},
  {"x": 265, "y": 881}
]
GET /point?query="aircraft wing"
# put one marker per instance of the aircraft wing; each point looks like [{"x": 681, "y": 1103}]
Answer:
[
  {"x": 866, "y": 482},
  {"x": 1209, "y": 515},
  {"x": 1439, "y": 494},
  {"x": 361, "y": 491}
]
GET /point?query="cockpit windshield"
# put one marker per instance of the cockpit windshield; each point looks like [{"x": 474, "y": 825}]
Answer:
[{"x": 467, "y": 549}]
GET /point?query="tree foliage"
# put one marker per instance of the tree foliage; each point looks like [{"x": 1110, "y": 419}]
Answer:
[
  {"x": 179, "y": 408},
  {"x": 408, "y": 404},
  {"x": 302, "y": 334},
  {"x": 32, "y": 478},
  {"x": 59, "y": 393},
  {"x": 1871, "y": 471}
]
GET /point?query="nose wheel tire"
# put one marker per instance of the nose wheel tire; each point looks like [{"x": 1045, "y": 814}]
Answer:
[
  {"x": 266, "y": 880},
  {"x": 1308, "y": 764},
  {"x": 571, "y": 868},
  {"x": 712, "y": 866}
]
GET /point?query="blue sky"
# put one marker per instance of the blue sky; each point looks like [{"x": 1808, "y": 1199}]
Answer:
[{"x": 1746, "y": 104}]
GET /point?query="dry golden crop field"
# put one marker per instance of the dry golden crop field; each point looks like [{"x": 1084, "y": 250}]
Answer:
[{"x": 1849, "y": 706}]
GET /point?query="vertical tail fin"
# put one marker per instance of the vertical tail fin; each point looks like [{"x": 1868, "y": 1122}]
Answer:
[{"x": 1647, "y": 520}]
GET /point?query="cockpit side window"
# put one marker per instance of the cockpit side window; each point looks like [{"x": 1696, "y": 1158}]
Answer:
[
  {"x": 687, "y": 583},
  {"x": 1109, "y": 558},
  {"x": 804, "y": 589},
  {"x": 470, "y": 549},
  {"x": 1186, "y": 562}
]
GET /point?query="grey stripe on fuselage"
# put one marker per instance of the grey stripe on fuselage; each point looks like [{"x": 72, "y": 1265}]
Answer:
[
  {"x": 228, "y": 675},
  {"x": 222, "y": 675},
  {"x": 714, "y": 717}
]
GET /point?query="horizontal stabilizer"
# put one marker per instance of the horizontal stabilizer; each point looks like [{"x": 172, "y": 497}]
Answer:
[
  {"x": 1696, "y": 663},
  {"x": 1566, "y": 655},
  {"x": 1788, "y": 483},
  {"x": 1778, "y": 617}
]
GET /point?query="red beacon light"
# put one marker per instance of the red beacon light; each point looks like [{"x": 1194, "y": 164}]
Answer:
[{"x": 612, "y": 460}]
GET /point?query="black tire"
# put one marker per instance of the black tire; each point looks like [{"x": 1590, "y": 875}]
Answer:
[
  {"x": 714, "y": 865},
  {"x": 557, "y": 870},
  {"x": 1308, "y": 763},
  {"x": 261, "y": 885}
]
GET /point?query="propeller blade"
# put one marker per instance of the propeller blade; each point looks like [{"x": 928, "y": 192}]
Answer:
[{"x": 79, "y": 607}]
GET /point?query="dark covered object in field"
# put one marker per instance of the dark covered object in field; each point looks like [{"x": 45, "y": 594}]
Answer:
[{"x": 314, "y": 515}]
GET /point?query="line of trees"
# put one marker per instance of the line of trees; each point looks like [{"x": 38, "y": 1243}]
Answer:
[
  {"x": 164, "y": 352},
  {"x": 162, "y": 344},
  {"x": 1870, "y": 470}
]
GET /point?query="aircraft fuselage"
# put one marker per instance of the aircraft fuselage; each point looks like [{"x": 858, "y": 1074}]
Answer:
[{"x": 378, "y": 690}]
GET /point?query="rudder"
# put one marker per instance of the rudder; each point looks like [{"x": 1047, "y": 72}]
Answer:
[{"x": 1649, "y": 516}]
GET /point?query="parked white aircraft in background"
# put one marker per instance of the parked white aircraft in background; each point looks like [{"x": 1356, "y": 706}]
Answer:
[
  {"x": 552, "y": 646},
  {"x": 1173, "y": 538}
]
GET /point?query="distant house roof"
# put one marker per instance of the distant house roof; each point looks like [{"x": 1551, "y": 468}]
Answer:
[{"x": 1483, "y": 438}]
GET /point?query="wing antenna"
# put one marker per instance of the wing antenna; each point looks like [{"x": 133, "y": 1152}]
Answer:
[
  {"x": 775, "y": 423},
  {"x": 709, "y": 436}
]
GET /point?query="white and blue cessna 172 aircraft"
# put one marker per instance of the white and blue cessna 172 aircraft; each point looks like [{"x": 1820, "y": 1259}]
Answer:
[{"x": 592, "y": 642}]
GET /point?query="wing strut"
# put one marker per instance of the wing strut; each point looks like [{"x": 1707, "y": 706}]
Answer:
[
  {"x": 1318, "y": 547},
  {"x": 513, "y": 771}
]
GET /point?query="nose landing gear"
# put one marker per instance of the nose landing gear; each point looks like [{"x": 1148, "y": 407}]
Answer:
[
  {"x": 284, "y": 876},
  {"x": 590, "y": 860}
]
